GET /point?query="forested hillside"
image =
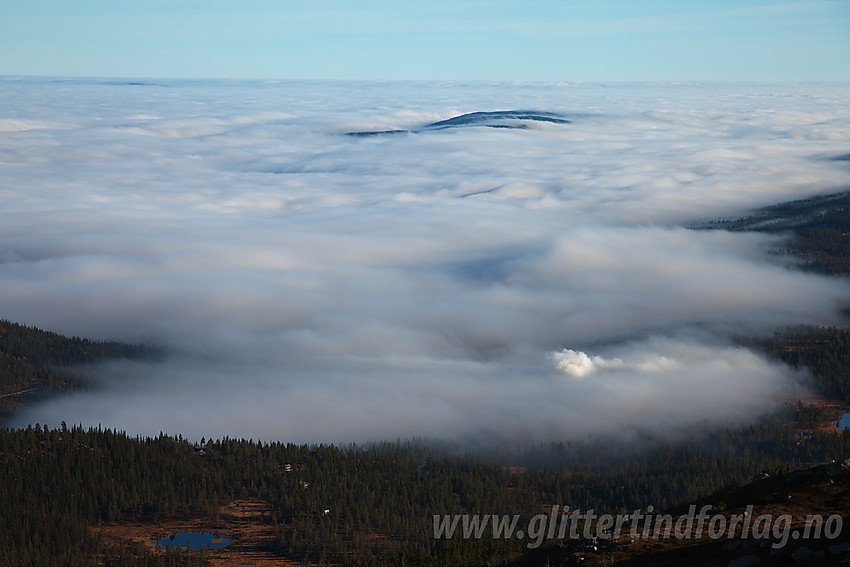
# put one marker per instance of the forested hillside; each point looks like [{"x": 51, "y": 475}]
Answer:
[
  {"x": 817, "y": 230},
  {"x": 362, "y": 505},
  {"x": 35, "y": 363},
  {"x": 824, "y": 351}
]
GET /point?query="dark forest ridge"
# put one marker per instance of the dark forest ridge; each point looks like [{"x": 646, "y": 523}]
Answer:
[
  {"x": 818, "y": 229},
  {"x": 35, "y": 364}
]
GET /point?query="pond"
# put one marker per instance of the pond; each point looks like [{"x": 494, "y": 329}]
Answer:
[
  {"x": 208, "y": 540},
  {"x": 844, "y": 421}
]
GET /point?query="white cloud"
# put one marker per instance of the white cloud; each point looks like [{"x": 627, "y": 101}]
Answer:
[{"x": 578, "y": 364}]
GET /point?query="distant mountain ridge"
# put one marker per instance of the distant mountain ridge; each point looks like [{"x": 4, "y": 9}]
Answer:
[{"x": 509, "y": 119}]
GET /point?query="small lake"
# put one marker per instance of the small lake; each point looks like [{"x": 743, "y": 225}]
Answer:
[
  {"x": 208, "y": 540},
  {"x": 844, "y": 421}
]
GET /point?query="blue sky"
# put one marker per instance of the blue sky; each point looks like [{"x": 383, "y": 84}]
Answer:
[{"x": 438, "y": 39}]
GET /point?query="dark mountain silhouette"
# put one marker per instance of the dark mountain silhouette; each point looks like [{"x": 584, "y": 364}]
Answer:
[{"x": 510, "y": 119}]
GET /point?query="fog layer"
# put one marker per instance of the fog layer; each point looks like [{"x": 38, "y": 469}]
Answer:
[{"x": 482, "y": 283}]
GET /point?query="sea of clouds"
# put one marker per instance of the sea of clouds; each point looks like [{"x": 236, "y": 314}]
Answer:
[{"x": 471, "y": 283}]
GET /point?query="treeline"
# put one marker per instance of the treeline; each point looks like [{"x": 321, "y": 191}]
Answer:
[
  {"x": 356, "y": 505},
  {"x": 35, "y": 362}
]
